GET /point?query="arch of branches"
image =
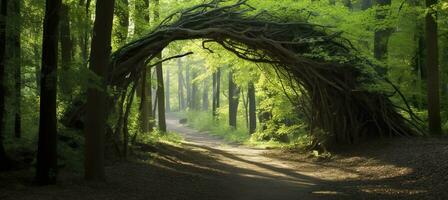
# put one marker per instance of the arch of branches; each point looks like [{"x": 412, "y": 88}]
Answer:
[{"x": 333, "y": 84}]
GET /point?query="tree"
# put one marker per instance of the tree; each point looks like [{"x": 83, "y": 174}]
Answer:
[
  {"x": 14, "y": 59},
  {"x": 205, "y": 95},
  {"x": 167, "y": 91},
  {"x": 4, "y": 161},
  {"x": 234, "y": 92},
  {"x": 96, "y": 96},
  {"x": 252, "y": 108},
  {"x": 46, "y": 167},
  {"x": 160, "y": 83},
  {"x": 180, "y": 85},
  {"x": 216, "y": 92},
  {"x": 146, "y": 118},
  {"x": 432, "y": 69},
  {"x": 188, "y": 85},
  {"x": 66, "y": 50}
]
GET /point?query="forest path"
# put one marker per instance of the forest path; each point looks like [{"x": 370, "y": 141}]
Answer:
[{"x": 248, "y": 172}]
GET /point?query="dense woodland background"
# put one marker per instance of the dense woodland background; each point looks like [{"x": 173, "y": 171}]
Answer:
[{"x": 53, "y": 55}]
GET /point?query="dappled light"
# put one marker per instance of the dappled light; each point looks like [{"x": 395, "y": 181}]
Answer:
[{"x": 223, "y": 99}]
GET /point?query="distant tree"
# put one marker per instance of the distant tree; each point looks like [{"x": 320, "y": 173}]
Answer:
[
  {"x": 205, "y": 100},
  {"x": 46, "y": 166},
  {"x": 216, "y": 92},
  {"x": 167, "y": 90},
  {"x": 252, "y": 108},
  {"x": 234, "y": 92},
  {"x": 180, "y": 85},
  {"x": 95, "y": 122},
  {"x": 432, "y": 68}
]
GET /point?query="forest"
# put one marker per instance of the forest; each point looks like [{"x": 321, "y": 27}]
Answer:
[{"x": 223, "y": 99}]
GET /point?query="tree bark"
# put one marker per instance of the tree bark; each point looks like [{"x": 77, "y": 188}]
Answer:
[
  {"x": 160, "y": 83},
  {"x": 180, "y": 85},
  {"x": 194, "y": 91},
  {"x": 66, "y": 50},
  {"x": 146, "y": 117},
  {"x": 216, "y": 92},
  {"x": 233, "y": 101},
  {"x": 46, "y": 166},
  {"x": 167, "y": 91},
  {"x": 96, "y": 97},
  {"x": 188, "y": 86},
  {"x": 205, "y": 101},
  {"x": 432, "y": 69},
  {"x": 252, "y": 108},
  {"x": 15, "y": 59},
  {"x": 4, "y": 161}
]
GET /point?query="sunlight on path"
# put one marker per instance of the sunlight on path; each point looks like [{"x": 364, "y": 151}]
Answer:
[{"x": 250, "y": 162}]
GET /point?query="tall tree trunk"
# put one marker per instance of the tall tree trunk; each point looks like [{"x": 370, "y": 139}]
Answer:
[
  {"x": 46, "y": 172},
  {"x": 167, "y": 91},
  {"x": 85, "y": 34},
  {"x": 233, "y": 101},
  {"x": 252, "y": 108},
  {"x": 382, "y": 35},
  {"x": 216, "y": 92},
  {"x": 4, "y": 161},
  {"x": 205, "y": 100},
  {"x": 66, "y": 50},
  {"x": 188, "y": 85},
  {"x": 122, "y": 14},
  {"x": 15, "y": 60},
  {"x": 432, "y": 69},
  {"x": 194, "y": 91},
  {"x": 180, "y": 85},
  {"x": 160, "y": 83},
  {"x": 142, "y": 18},
  {"x": 95, "y": 122}
]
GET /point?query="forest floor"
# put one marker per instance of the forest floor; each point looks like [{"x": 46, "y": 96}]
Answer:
[{"x": 204, "y": 167}]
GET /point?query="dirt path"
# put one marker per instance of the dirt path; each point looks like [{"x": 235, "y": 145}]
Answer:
[
  {"x": 207, "y": 168},
  {"x": 272, "y": 178}
]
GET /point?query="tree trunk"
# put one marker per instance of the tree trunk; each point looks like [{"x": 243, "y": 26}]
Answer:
[
  {"x": 142, "y": 18},
  {"x": 167, "y": 91},
  {"x": 66, "y": 50},
  {"x": 15, "y": 60},
  {"x": 95, "y": 122},
  {"x": 432, "y": 69},
  {"x": 85, "y": 34},
  {"x": 205, "y": 100},
  {"x": 4, "y": 161},
  {"x": 180, "y": 85},
  {"x": 188, "y": 86},
  {"x": 233, "y": 101},
  {"x": 216, "y": 92},
  {"x": 46, "y": 172},
  {"x": 160, "y": 86},
  {"x": 194, "y": 92},
  {"x": 252, "y": 108}
]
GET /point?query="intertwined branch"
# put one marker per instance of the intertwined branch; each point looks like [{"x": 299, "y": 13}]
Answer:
[{"x": 321, "y": 62}]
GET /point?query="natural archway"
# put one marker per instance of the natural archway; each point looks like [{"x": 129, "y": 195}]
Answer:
[{"x": 334, "y": 82}]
